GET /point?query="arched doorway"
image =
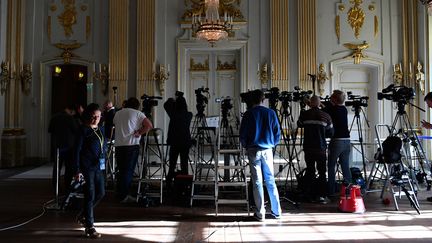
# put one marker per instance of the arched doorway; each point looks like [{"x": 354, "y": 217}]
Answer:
[{"x": 69, "y": 86}]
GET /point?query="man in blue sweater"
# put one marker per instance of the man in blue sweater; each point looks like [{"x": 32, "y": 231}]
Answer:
[{"x": 259, "y": 134}]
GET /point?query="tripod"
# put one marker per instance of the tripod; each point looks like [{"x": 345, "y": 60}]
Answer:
[
  {"x": 356, "y": 118},
  {"x": 286, "y": 120},
  {"x": 289, "y": 137},
  {"x": 411, "y": 137}
]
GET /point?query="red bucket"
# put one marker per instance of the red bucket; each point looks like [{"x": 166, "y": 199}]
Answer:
[{"x": 351, "y": 200}]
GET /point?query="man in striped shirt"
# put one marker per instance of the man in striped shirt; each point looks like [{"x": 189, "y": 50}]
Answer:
[{"x": 317, "y": 126}]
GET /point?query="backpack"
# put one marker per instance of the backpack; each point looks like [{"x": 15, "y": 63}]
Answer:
[{"x": 391, "y": 149}]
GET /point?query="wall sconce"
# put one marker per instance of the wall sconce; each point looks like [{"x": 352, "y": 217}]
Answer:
[
  {"x": 57, "y": 71},
  {"x": 6, "y": 76},
  {"x": 161, "y": 75},
  {"x": 264, "y": 74},
  {"x": 322, "y": 78},
  {"x": 103, "y": 77},
  {"x": 26, "y": 78}
]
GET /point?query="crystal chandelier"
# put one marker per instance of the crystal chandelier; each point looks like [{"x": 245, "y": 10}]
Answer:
[
  {"x": 212, "y": 28},
  {"x": 428, "y": 5}
]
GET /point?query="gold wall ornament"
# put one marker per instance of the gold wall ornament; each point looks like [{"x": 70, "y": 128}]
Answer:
[
  {"x": 226, "y": 65},
  {"x": 199, "y": 66},
  {"x": 356, "y": 17},
  {"x": 103, "y": 77},
  {"x": 264, "y": 74},
  {"x": 160, "y": 76},
  {"x": 337, "y": 26},
  {"x": 397, "y": 74},
  {"x": 68, "y": 17},
  {"x": 371, "y": 7},
  {"x": 357, "y": 51},
  {"x": 341, "y": 7},
  {"x": 6, "y": 75},
  {"x": 53, "y": 7},
  {"x": 375, "y": 26},
  {"x": 26, "y": 78},
  {"x": 321, "y": 78},
  {"x": 420, "y": 78},
  {"x": 67, "y": 50}
]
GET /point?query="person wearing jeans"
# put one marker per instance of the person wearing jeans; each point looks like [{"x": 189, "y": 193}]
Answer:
[
  {"x": 90, "y": 163},
  {"x": 340, "y": 145},
  {"x": 130, "y": 124},
  {"x": 259, "y": 134}
]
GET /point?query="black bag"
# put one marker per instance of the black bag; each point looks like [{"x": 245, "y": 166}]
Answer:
[{"x": 391, "y": 149}]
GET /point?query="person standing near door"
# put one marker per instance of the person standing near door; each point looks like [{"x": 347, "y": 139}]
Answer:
[{"x": 63, "y": 128}]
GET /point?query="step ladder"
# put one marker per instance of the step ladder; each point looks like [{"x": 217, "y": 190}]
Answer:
[
  {"x": 203, "y": 181},
  {"x": 230, "y": 164},
  {"x": 152, "y": 166},
  {"x": 394, "y": 176}
]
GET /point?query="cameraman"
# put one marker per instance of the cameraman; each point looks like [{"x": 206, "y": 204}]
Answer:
[
  {"x": 259, "y": 134},
  {"x": 179, "y": 137},
  {"x": 317, "y": 127},
  {"x": 425, "y": 124},
  {"x": 339, "y": 147}
]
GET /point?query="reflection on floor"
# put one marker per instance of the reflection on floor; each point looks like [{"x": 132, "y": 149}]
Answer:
[{"x": 24, "y": 196}]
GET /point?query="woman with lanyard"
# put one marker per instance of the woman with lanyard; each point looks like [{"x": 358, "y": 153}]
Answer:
[{"x": 91, "y": 149}]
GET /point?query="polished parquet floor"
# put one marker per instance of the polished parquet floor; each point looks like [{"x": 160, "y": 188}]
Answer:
[{"x": 25, "y": 191}]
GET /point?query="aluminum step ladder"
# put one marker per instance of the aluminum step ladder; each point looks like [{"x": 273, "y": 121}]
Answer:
[
  {"x": 203, "y": 167},
  {"x": 394, "y": 176},
  {"x": 230, "y": 163},
  {"x": 152, "y": 166}
]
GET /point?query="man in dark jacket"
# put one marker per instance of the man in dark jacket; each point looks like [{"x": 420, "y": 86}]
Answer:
[
  {"x": 179, "y": 137},
  {"x": 317, "y": 126},
  {"x": 64, "y": 128}
]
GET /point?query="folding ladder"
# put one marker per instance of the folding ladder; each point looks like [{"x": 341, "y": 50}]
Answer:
[
  {"x": 152, "y": 166},
  {"x": 230, "y": 165},
  {"x": 204, "y": 180},
  {"x": 395, "y": 176}
]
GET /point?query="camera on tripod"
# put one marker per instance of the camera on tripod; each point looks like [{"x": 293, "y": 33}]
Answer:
[
  {"x": 148, "y": 102},
  {"x": 201, "y": 99},
  {"x": 179, "y": 94},
  {"x": 397, "y": 93},
  {"x": 301, "y": 96},
  {"x": 356, "y": 101},
  {"x": 226, "y": 105}
]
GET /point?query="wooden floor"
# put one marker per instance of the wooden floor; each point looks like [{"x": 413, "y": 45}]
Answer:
[{"x": 23, "y": 199}]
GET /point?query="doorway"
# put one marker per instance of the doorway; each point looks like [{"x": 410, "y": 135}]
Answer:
[{"x": 69, "y": 86}]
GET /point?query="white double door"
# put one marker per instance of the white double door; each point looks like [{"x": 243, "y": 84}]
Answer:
[{"x": 217, "y": 71}]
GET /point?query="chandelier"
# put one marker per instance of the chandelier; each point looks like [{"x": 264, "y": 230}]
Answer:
[
  {"x": 211, "y": 28},
  {"x": 428, "y": 5}
]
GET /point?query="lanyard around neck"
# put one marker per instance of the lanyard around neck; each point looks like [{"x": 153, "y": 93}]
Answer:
[{"x": 101, "y": 138}]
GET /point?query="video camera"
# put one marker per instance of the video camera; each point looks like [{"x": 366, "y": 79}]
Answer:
[
  {"x": 226, "y": 105},
  {"x": 356, "y": 101},
  {"x": 148, "y": 102},
  {"x": 400, "y": 94},
  {"x": 301, "y": 96},
  {"x": 201, "y": 100},
  {"x": 179, "y": 94}
]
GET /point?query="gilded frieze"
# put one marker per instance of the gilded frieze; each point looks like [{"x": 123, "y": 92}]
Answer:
[
  {"x": 226, "y": 65},
  {"x": 196, "y": 8},
  {"x": 199, "y": 66}
]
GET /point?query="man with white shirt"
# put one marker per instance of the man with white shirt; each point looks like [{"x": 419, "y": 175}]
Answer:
[{"x": 130, "y": 124}]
